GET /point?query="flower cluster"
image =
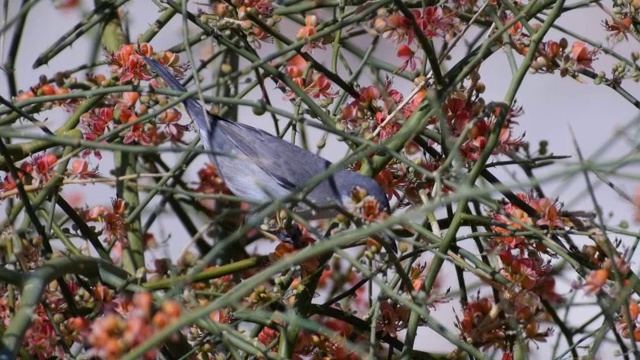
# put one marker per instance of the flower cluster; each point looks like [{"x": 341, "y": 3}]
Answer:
[
  {"x": 315, "y": 346},
  {"x": 94, "y": 124},
  {"x": 623, "y": 322},
  {"x": 120, "y": 112},
  {"x": 365, "y": 206},
  {"x": 521, "y": 262},
  {"x": 307, "y": 31},
  {"x": 52, "y": 329},
  {"x": 285, "y": 249},
  {"x": 469, "y": 121},
  {"x": 117, "y": 111},
  {"x": 312, "y": 82},
  {"x": 554, "y": 55},
  {"x": 596, "y": 281},
  {"x": 393, "y": 318},
  {"x": 235, "y": 14},
  {"x": 370, "y": 111},
  {"x": 127, "y": 64},
  {"x": 433, "y": 21},
  {"x": 40, "y": 169},
  {"x": 497, "y": 323},
  {"x": 211, "y": 182},
  {"x": 46, "y": 88},
  {"x": 487, "y": 326},
  {"x": 132, "y": 323},
  {"x": 621, "y": 24},
  {"x": 41, "y": 337},
  {"x": 203, "y": 293},
  {"x": 512, "y": 218},
  {"x": 114, "y": 226},
  {"x": 531, "y": 276},
  {"x": 475, "y": 122}
]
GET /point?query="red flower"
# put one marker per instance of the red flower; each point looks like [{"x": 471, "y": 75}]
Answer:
[
  {"x": 114, "y": 225},
  {"x": 392, "y": 318},
  {"x": 7, "y": 184},
  {"x": 94, "y": 124},
  {"x": 128, "y": 65},
  {"x": 548, "y": 212},
  {"x": 316, "y": 85},
  {"x": 389, "y": 129},
  {"x": 42, "y": 168},
  {"x": 138, "y": 134},
  {"x": 311, "y": 21},
  {"x": 296, "y": 66},
  {"x": 623, "y": 326},
  {"x": 134, "y": 322},
  {"x": 618, "y": 27},
  {"x": 268, "y": 335},
  {"x": 408, "y": 55},
  {"x": 432, "y": 21},
  {"x": 320, "y": 87},
  {"x": 595, "y": 281},
  {"x": 408, "y": 109},
  {"x": 172, "y": 129},
  {"x": 67, "y": 4},
  {"x": 80, "y": 170},
  {"x": 366, "y": 206},
  {"x": 129, "y": 99},
  {"x": 582, "y": 56},
  {"x": 307, "y": 31},
  {"x": 211, "y": 182},
  {"x": 394, "y": 26}
]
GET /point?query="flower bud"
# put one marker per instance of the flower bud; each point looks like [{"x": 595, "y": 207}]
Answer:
[
  {"x": 226, "y": 68},
  {"x": 564, "y": 43},
  {"x": 258, "y": 110},
  {"x": 246, "y": 25}
]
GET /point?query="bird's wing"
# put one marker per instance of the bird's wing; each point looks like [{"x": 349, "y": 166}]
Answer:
[{"x": 291, "y": 166}]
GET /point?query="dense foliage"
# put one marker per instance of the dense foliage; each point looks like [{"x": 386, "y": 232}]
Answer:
[{"x": 86, "y": 275}]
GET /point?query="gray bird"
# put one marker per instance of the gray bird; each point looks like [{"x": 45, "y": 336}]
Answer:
[{"x": 261, "y": 167}]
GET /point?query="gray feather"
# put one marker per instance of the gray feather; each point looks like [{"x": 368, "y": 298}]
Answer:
[{"x": 260, "y": 167}]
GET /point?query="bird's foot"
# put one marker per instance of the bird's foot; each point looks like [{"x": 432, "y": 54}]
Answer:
[{"x": 293, "y": 235}]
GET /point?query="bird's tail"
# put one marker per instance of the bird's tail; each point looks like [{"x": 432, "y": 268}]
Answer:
[{"x": 194, "y": 109}]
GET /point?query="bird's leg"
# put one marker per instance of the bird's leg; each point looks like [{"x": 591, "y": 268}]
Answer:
[
  {"x": 292, "y": 233},
  {"x": 334, "y": 225},
  {"x": 295, "y": 235},
  {"x": 283, "y": 229}
]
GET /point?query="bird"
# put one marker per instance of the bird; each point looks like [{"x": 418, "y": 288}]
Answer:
[{"x": 260, "y": 167}]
